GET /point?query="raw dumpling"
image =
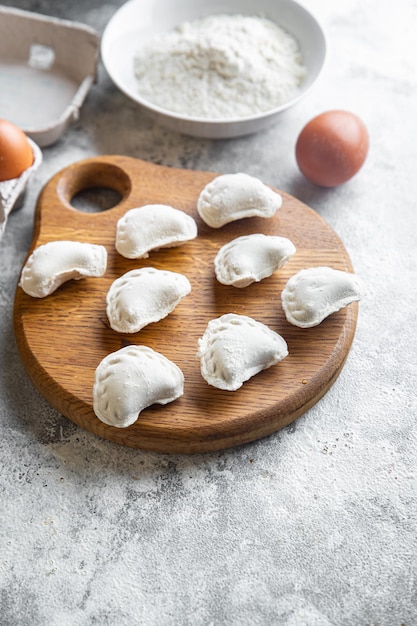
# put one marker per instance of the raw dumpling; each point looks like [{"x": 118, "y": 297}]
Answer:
[
  {"x": 231, "y": 197},
  {"x": 56, "y": 262},
  {"x": 131, "y": 379},
  {"x": 151, "y": 227},
  {"x": 251, "y": 258},
  {"x": 143, "y": 296},
  {"x": 313, "y": 294},
  {"x": 236, "y": 347}
]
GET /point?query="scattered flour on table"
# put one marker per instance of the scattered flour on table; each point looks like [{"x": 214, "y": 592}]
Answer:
[{"x": 220, "y": 66}]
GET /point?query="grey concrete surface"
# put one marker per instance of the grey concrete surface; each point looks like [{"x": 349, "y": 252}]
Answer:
[{"x": 312, "y": 526}]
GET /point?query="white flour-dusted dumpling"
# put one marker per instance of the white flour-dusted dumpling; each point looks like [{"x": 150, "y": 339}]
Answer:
[
  {"x": 56, "y": 262},
  {"x": 151, "y": 227},
  {"x": 313, "y": 294},
  {"x": 231, "y": 197},
  {"x": 251, "y": 258},
  {"x": 236, "y": 347},
  {"x": 143, "y": 296},
  {"x": 131, "y": 379}
]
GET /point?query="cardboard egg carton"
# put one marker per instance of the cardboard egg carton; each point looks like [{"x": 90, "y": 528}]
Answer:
[
  {"x": 12, "y": 191},
  {"x": 47, "y": 66}
]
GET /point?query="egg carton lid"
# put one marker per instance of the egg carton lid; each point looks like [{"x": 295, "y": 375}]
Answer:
[{"x": 47, "y": 66}]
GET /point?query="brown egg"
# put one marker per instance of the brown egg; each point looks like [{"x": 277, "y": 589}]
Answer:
[
  {"x": 332, "y": 148},
  {"x": 16, "y": 154}
]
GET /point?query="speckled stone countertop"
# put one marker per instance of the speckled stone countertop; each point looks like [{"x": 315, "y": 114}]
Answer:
[{"x": 312, "y": 526}]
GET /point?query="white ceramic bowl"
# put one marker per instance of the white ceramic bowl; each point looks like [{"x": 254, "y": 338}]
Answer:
[{"x": 138, "y": 20}]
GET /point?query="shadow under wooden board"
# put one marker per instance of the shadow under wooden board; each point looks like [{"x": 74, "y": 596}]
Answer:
[{"x": 62, "y": 338}]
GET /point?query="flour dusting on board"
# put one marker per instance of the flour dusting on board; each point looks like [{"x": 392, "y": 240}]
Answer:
[{"x": 221, "y": 66}]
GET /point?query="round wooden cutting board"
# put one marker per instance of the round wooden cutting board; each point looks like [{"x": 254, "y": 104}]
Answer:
[{"x": 62, "y": 338}]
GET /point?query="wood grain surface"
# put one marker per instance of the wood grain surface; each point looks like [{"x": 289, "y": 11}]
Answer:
[{"x": 62, "y": 338}]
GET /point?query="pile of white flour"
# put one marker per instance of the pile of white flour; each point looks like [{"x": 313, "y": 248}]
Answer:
[{"x": 221, "y": 66}]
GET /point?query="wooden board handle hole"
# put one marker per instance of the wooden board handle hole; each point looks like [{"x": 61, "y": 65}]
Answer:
[{"x": 93, "y": 187}]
